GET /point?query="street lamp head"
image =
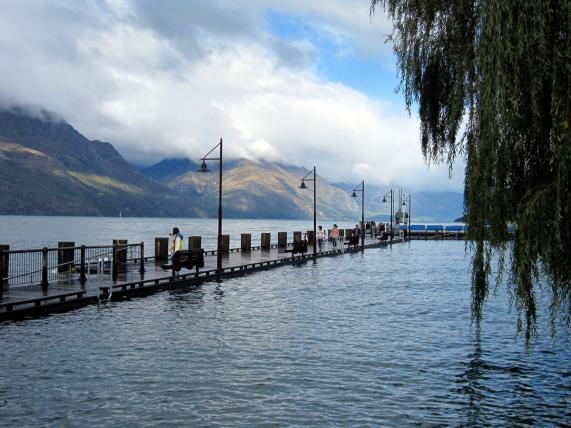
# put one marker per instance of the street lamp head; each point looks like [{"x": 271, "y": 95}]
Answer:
[
  {"x": 384, "y": 200},
  {"x": 302, "y": 185},
  {"x": 203, "y": 167},
  {"x": 353, "y": 195},
  {"x": 403, "y": 203}
]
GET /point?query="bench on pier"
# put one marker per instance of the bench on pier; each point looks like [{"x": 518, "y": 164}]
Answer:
[
  {"x": 298, "y": 247},
  {"x": 352, "y": 241},
  {"x": 188, "y": 259},
  {"x": 38, "y": 301},
  {"x": 384, "y": 236}
]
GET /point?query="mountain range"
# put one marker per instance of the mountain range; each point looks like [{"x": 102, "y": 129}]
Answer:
[{"x": 49, "y": 168}]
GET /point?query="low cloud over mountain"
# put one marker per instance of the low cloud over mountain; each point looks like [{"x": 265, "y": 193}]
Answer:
[{"x": 49, "y": 168}]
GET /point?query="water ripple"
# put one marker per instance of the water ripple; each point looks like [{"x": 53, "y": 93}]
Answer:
[{"x": 382, "y": 338}]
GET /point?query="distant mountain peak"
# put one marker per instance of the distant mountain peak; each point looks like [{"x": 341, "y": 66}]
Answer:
[
  {"x": 35, "y": 113},
  {"x": 52, "y": 169},
  {"x": 168, "y": 168}
]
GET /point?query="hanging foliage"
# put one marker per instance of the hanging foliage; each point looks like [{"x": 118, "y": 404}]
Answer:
[{"x": 492, "y": 82}]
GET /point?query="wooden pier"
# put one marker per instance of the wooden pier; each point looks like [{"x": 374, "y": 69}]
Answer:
[{"x": 144, "y": 275}]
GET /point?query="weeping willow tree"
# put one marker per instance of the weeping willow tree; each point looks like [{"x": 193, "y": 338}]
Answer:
[{"x": 492, "y": 83}]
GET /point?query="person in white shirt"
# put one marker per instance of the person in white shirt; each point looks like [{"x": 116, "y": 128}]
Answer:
[
  {"x": 176, "y": 241},
  {"x": 320, "y": 237}
]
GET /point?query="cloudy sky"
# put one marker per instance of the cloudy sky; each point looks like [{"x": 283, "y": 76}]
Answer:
[{"x": 306, "y": 82}]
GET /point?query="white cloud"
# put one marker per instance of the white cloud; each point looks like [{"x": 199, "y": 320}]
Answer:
[
  {"x": 262, "y": 150},
  {"x": 118, "y": 73}
]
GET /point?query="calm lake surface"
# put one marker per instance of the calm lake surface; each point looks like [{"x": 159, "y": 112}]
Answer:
[
  {"x": 381, "y": 338},
  {"x": 23, "y": 232}
]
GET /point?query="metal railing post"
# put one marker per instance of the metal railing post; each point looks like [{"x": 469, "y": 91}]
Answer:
[
  {"x": 4, "y": 266},
  {"x": 82, "y": 267},
  {"x": 142, "y": 268},
  {"x": 114, "y": 272},
  {"x": 45, "y": 268}
]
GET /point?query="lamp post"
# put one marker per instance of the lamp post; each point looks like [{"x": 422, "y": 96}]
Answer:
[
  {"x": 409, "y": 217},
  {"x": 400, "y": 207},
  {"x": 384, "y": 201},
  {"x": 354, "y": 195},
  {"x": 204, "y": 168},
  {"x": 303, "y": 186},
  {"x": 404, "y": 214}
]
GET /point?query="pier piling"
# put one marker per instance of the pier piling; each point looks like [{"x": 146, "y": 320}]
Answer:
[
  {"x": 195, "y": 243},
  {"x": 161, "y": 249},
  {"x": 296, "y": 236},
  {"x": 119, "y": 257},
  {"x": 310, "y": 236},
  {"x": 224, "y": 244},
  {"x": 282, "y": 239},
  {"x": 65, "y": 256},
  {"x": 265, "y": 241},
  {"x": 246, "y": 241}
]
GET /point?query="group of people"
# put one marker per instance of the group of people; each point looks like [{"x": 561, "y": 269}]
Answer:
[
  {"x": 176, "y": 238},
  {"x": 334, "y": 236},
  {"x": 371, "y": 228},
  {"x": 176, "y": 241}
]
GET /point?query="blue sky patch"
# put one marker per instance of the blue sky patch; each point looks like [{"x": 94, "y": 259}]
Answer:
[{"x": 339, "y": 60}]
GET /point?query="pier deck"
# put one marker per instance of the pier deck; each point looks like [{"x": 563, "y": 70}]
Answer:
[{"x": 31, "y": 300}]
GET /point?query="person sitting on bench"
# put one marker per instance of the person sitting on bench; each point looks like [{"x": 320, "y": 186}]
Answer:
[
  {"x": 176, "y": 241},
  {"x": 353, "y": 241}
]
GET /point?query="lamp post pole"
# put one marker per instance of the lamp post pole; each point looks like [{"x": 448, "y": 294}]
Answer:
[
  {"x": 353, "y": 195},
  {"x": 219, "y": 252},
  {"x": 303, "y": 186},
  {"x": 403, "y": 210},
  {"x": 392, "y": 205},
  {"x": 392, "y": 210},
  {"x": 409, "y": 217},
  {"x": 400, "y": 207},
  {"x": 314, "y": 211},
  {"x": 204, "y": 168},
  {"x": 404, "y": 215}
]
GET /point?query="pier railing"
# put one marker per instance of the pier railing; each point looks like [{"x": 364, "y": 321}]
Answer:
[{"x": 41, "y": 266}]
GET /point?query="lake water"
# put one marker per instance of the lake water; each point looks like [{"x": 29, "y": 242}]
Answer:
[
  {"x": 380, "y": 338},
  {"x": 22, "y": 232}
]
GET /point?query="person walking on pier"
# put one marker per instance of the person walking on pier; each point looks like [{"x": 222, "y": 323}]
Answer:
[
  {"x": 357, "y": 231},
  {"x": 320, "y": 237},
  {"x": 176, "y": 242},
  {"x": 334, "y": 235}
]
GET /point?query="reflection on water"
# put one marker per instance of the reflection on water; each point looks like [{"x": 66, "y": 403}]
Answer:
[
  {"x": 381, "y": 338},
  {"x": 470, "y": 382},
  {"x": 517, "y": 385}
]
